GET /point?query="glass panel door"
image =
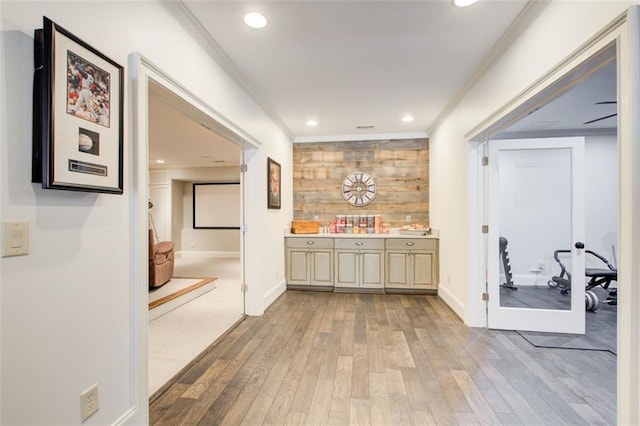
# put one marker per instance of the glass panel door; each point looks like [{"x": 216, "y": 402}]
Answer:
[{"x": 536, "y": 227}]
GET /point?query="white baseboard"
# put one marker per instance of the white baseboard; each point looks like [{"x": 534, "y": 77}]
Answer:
[
  {"x": 127, "y": 419},
  {"x": 451, "y": 300},
  {"x": 274, "y": 293},
  {"x": 207, "y": 254},
  {"x": 530, "y": 279}
]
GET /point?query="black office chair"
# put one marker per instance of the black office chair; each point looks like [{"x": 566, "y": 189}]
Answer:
[{"x": 597, "y": 277}]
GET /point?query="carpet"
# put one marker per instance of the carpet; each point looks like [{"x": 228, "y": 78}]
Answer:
[
  {"x": 601, "y": 331},
  {"x": 178, "y": 288}
]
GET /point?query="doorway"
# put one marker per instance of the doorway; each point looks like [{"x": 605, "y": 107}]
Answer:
[
  {"x": 193, "y": 170},
  {"x": 200, "y": 251},
  {"x": 580, "y": 104}
]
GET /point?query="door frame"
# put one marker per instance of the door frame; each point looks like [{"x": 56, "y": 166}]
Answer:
[
  {"x": 595, "y": 54},
  {"x": 143, "y": 71},
  {"x": 624, "y": 34}
]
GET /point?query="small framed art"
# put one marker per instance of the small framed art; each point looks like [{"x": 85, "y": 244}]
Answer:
[
  {"x": 273, "y": 184},
  {"x": 77, "y": 114}
]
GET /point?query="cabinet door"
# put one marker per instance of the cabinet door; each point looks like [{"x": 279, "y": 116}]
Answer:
[
  {"x": 321, "y": 267},
  {"x": 346, "y": 268},
  {"x": 298, "y": 268},
  {"x": 423, "y": 270},
  {"x": 372, "y": 269},
  {"x": 397, "y": 269}
]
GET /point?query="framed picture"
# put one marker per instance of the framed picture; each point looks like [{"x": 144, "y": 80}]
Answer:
[
  {"x": 273, "y": 184},
  {"x": 77, "y": 114}
]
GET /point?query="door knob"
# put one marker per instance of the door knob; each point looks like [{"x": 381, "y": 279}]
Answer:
[{"x": 579, "y": 245}]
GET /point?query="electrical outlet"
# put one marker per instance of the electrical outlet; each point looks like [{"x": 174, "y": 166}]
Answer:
[
  {"x": 407, "y": 218},
  {"x": 89, "y": 402}
]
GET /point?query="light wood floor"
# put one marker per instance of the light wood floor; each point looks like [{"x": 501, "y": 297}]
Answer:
[{"x": 334, "y": 358}]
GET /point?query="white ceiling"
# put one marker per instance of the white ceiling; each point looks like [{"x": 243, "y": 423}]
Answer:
[
  {"x": 353, "y": 63},
  {"x": 179, "y": 138},
  {"x": 570, "y": 113}
]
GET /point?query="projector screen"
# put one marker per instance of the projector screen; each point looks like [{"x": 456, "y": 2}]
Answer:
[{"x": 216, "y": 205}]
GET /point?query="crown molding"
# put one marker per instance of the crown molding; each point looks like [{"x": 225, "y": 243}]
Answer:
[
  {"x": 556, "y": 133},
  {"x": 361, "y": 137},
  {"x": 527, "y": 15},
  {"x": 183, "y": 15}
]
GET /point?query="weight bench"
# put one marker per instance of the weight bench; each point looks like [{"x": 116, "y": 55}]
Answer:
[{"x": 597, "y": 277}]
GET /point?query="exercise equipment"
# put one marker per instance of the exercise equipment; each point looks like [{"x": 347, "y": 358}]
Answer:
[
  {"x": 592, "y": 303},
  {"x": 597, "y": 277},
  {"x": 506, "y": 264}
]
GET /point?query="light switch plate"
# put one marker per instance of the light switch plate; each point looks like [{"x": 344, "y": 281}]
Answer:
[{"x": 15, "y": 238}]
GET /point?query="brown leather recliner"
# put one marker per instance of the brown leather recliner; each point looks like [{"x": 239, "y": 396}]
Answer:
[{"x": 161, "y": 261}]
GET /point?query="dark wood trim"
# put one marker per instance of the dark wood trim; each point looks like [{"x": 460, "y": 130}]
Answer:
[{"x": 172, "y": 296}]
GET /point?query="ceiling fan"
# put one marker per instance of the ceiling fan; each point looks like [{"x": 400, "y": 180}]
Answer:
[{"x": 605, "y": 116}]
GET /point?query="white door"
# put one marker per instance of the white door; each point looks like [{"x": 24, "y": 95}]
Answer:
[{"x": 536, "y": 204}]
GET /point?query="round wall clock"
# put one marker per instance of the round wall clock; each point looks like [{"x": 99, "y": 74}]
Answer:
[{"x": 359, "y": 189}]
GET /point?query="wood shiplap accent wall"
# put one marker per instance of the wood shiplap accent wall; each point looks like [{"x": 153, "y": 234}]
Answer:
[{"x": 400, "y": 168}]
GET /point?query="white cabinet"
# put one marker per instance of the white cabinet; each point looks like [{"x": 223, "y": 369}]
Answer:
[
  {"x": 411, "y": 264},
  {"x": 359, "y": 263},
  {"x": 309, "y": 261},
  {"x": 366, "y": 263}
]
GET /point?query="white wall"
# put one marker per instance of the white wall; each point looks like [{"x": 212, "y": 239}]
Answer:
[
  {"x": 66, "y": 308},
  {"x": 550, "y": 38},
  {"x": 601, "y": 157},
  {"x": 160, "y": 214},
  {"x": 3, "y": 137},
  {"x": 177, "y": 213}
]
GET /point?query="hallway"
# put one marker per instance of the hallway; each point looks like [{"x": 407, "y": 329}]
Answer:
[{"x": 332, "y": 358}]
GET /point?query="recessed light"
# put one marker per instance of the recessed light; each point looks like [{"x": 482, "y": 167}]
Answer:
[
  {"x": 159, "y": 161},
  {"x": 464, "y": 3},
  {"x": 407, "y": 118},
  {"x": 312, "y": 123},
  {"x": 255, "y": 20}
]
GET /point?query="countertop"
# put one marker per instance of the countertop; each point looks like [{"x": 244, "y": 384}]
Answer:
[{"x": 393, "y": 233}]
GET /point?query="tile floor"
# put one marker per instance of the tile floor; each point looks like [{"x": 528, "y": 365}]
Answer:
[{"x": 180, "y": 335}]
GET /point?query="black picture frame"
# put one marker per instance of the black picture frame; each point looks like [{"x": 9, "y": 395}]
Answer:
[
  {"x": 274, "y": 184},
  {"x": 78, "y": 101},
  {"x": 227, "y": 196}
]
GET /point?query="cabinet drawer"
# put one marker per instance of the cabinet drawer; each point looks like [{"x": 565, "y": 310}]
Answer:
[
  {"x": 360, "y": 243},
  {"x": 411, "y": 244},
  {"x": 309, "y": 242}
]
